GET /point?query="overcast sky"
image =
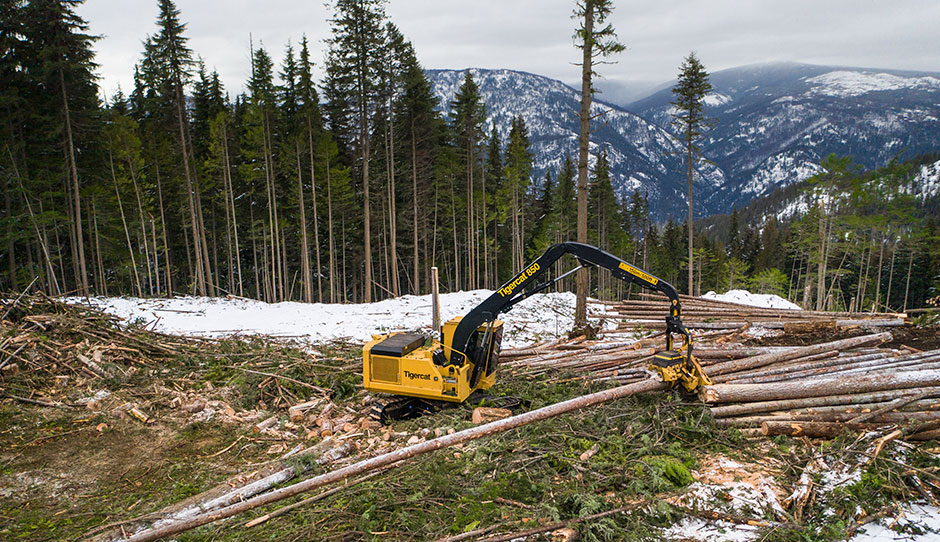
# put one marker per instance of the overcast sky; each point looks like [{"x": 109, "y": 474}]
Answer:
[{"x": 535, "y": 35}]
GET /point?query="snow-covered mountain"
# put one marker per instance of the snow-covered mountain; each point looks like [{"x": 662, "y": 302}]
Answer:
[
  {"x": 642, "y": 154},
  {"x": 777, "y": 121}
]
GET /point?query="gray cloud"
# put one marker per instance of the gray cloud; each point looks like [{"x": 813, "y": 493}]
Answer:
[{"x": 535, "y": 35}]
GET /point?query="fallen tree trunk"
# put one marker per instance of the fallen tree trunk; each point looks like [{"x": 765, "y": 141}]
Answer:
[
  {"x": 743, "y": 393},
  {"x": 380, "y": 461},
  {"x": 775, "y": 357},
  {"x": 829, "y": 417},
  {"x": 830, "y": 400},
  {"x": 812, "y": 429}
]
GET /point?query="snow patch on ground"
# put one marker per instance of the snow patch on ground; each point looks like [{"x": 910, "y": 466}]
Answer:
[
  {"x": 540, "y": 317},
  {"x": 845, "y": 84},
  {"x": 744, "y": 297},
  {"x": 916, "y": 518}
]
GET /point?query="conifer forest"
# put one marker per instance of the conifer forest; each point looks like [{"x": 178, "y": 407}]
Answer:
[{"x": 351, "y": 187}]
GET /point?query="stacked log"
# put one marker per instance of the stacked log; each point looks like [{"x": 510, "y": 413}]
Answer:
[
  {"x": 704, "y": 313},
  {"x": 853, "y": 389},
  {"x": 816, "y": 390}
]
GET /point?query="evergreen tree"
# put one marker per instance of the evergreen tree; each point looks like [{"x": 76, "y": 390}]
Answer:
[
  {"x": 493, "y": 179},
  {"x": 59, "y": 63},
  {"x": 171, "y": 64},
  {"x": 420, "y": 127},
  {"x": 469, "y": 113},
  {"x": 734, "y": 234},
  {"x": 353, "y": 64},
  {"x": 518, "y": 172},
  {"x": 691, "y": 122}
]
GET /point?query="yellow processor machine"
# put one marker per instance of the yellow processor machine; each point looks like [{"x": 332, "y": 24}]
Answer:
[{"x": 465, "y": 356}]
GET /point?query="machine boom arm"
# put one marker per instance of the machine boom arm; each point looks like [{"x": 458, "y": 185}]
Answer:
[{"x": 514, "y": 291}]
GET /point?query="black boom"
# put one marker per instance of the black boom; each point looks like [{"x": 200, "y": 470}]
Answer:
[{"x": 515, "y": 291}]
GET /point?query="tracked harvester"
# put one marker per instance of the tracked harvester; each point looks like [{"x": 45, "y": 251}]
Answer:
[{"x": 463, "y": 359}]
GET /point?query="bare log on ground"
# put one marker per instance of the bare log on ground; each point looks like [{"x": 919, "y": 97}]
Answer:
[
  {"x": 812, "y": 429},
  {"x": 775, "y": 357},
  {"x": 830, "y": 400},
  {"x": 742, "y": 393},
  {"x": 894, "y": 405},
  {"x": 404, "y": 453},
  {"x": 236, "y": 489}
]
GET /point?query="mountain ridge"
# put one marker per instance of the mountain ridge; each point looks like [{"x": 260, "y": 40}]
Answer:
[{"x": 776, "y": 122}]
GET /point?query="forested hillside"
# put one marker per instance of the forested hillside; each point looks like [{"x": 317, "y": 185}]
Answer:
[{"x": 352, "y": 186}]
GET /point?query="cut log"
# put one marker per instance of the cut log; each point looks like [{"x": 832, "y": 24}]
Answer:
[
  {"x": 487, "y": 414},
  {"x": 265, "y": 424},
  {"x": 811, "y": 429},
  {"x": 742, "y": 393},
  {"x": 297, "y": 412},
  {"x": 775, "y": 357},
  {"x": 894, "y": 405},
  {"x": 810, "y": 327},
  {"x": 829, "y": 400}
]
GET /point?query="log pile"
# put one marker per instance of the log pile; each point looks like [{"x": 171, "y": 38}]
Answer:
[
  {"x": 703, "y": 313},
  {"x": 816, "y": 390},
  {"x": 855, "y": 388}
]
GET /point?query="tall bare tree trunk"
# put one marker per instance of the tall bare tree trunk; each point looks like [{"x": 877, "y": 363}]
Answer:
[
  {"x": 365, "y": 148},
  {"x": 199, "y": 272},
  {"x": 691, "y": 230},
  {"x": 254, "y": 251},
  {"x": 166, "y": 244},
  {"x": 414, "y": 211},
  {"x": 210, "y": 285},
  {"x": 881, "y": 256},
  {"x": 580, "y": 311},
  {"x": 50, "y": 268},
  {"x": 894, "y": 248},
  {"x": 823, "y": 260},
  {"x": 329, "y": 224},
  {"x": 316, "y": 222},
  {"x": 393, "y": 212},
  {"x": 143, "y": 225},
  {"x": 486, "y": 256},
  {"x": 102, "y": 281},
  {"x": 471, "y": 277},
  {"x": 227, "y": 195},
  {"x": 82, "y": 271},
  {"x": 453, "y": 215},
  {"x": 127, "y": 233},
  {"x": 231, "y": 203},
  {"x": 304, "y": 248},
  {"x": 156, "y": 253},
  {"x": 907, "y": 284}
]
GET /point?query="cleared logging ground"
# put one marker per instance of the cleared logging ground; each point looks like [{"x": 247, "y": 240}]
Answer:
[{"x": 181, "y": 417}]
